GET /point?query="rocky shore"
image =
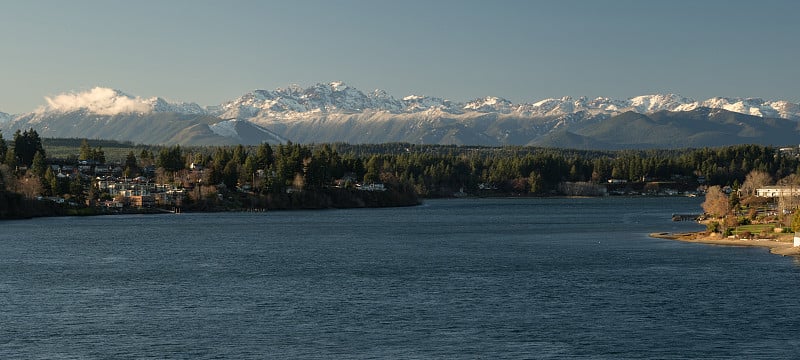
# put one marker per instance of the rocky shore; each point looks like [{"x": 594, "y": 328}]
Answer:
[{"x": 783, "y": 245}]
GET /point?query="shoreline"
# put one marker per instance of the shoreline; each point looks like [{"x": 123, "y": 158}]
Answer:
[
  {"x": 782, "y": 246},
  {"x": 85, "y": 212}
]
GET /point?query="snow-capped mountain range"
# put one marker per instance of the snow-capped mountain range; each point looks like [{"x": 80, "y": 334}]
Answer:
[
  {"x": 338, "y": 97},
  {"x": 337, "y": 112}
]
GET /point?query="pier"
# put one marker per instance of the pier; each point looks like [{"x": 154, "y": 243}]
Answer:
[{"x": 685, "y": 217}]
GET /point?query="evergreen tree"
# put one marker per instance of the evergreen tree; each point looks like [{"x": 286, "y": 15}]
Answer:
[
  {"x": 38, "y": 166},
  {"x": 11, "y": 159},
  {"x": 26, "y": 145},
  {"x": 373, "y": 169},
  {"x": 239, "y": 154},
  {"x": 171, "y": 159},
  {"x": 146, "y": 158},
  {"x": 99, "y": 155},
  {"x": 86, "y": 151},
  {"x": 131, "y": 165},
  {"x": 50, "y": 182},
  {"x": 264, "y": 157},
  {"x": 76, "y": 189},
  {"x": 230, "y": 174},
  {"x": 248, "y": 169},
  {"x": 535, "y": 181},
  {"x": 3, "y": 148}
]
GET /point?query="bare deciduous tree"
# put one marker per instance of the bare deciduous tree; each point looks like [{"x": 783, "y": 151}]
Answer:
[
  {"x": 30, "y": 186},
  {"x": 7, "y": 179},
  {"x": 754, "y": 180},
  {"x": 716, "y": 203},
  {"x": 787, "y": 200}
]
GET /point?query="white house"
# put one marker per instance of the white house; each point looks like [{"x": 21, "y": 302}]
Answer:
[
  {"x": 371, "y": 187},
  {"x": 778, "y": 191}
]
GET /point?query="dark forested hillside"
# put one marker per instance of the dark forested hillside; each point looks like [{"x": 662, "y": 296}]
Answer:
[{"x": 702, "y": 127}]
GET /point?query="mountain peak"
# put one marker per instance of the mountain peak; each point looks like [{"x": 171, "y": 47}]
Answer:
[
  {"x": 489, "y": 104},
  {"x": 338, "y": 86},
  {"x": 657, "y": 102},
  {"x": 338, "y": 97}
]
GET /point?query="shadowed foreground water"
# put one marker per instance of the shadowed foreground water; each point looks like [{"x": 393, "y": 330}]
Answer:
[{"x": 488, "y": 278}]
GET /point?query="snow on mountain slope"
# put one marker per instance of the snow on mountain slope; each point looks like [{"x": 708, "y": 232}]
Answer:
[
  {"x": 320, "y": 98},
  {"x": 489, "y": 104},
  {"x": 245, "y": 131},
  {"x": 298, "y": 104},
  {"x": 158, "y": 104},
  {"x": 329, "y": 112},
  {"x": 225, "y": 128},
  {"x": 755, "y": 107},
  {"x": 652, "y": 103}
]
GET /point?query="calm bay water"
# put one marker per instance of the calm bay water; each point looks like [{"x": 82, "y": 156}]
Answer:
[{"x": 488, "y": 278}]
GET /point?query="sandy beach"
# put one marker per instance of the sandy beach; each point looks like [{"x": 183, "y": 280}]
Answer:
[{"x": 783, "y": 245}]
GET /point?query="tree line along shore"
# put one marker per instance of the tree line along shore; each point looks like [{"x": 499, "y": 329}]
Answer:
[{"x": 83, "y": 176}]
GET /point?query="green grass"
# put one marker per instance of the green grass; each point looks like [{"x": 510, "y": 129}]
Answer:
[
  {"x": 112, "y": 154},
  {"x": 754, "y": 228},
  {"x": 61, "y": 148}
]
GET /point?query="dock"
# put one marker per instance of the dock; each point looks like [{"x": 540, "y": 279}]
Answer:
[{"x": 685, "y": 217}]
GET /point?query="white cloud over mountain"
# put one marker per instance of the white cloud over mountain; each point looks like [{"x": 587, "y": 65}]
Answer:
[{"x": 102, "y": 101}]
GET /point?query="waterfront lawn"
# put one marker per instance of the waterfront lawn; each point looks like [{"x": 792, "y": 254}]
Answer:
[{"x": 754, "y": 228}]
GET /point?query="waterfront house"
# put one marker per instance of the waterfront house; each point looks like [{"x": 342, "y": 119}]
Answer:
[
  {"x": 778, "y": 191},
  {"x": 371, "y": 187},
  {"x": 142, "y": 201}
]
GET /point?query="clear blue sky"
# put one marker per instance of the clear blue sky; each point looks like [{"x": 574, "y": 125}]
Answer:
[{"x": 212, "y": 51}]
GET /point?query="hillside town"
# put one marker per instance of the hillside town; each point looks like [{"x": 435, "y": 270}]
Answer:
[
  {"x": 120, "y": 193},
  {"x": 225, "y": 179},
  {"x": 288, "y": 176}
]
